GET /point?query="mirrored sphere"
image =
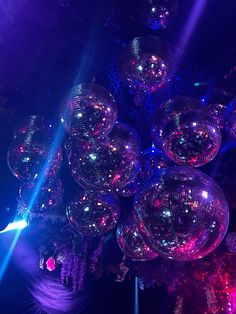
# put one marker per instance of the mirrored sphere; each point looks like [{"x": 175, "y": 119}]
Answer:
[
  {"x": 152, "y": 160},
  {"x": 217, "y": 105},
  {"x": 49, "y": 196},
  {"x": 90, "y": 111},
  {"x": 132, "y": 243},
  {"x": 158, "y": 14},
  {"x": 145, "y": 64},
  {"x": 33, "y": 153},
  {"x": 231, "y": 242},
  {"x": 130, "y": 189},
  {"x": 231, "y": 126},
  {"x": 103, "y": 165},
  {"x": 183, "y": 212},
  {"x": 231, "y": 119},
  {"x": 94, "y": 214},
  {"x": 186, "y": 133},
  {"x": 218, "y": 111},
  {"x": 124, "y": 133}
]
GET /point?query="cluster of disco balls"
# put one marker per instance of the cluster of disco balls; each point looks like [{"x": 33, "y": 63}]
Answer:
[
  {"x": 178, "y": 212},
  {"x": 102, "y": 155}
]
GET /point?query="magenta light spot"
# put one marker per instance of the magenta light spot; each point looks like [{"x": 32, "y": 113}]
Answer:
[
  {"x": 116, "y": 178},
  {"x": 51, "y": 264}
]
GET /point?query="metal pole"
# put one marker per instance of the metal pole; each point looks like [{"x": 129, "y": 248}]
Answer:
[{"x": 136, "y": 296}]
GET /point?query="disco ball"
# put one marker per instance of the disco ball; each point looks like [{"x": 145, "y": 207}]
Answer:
[
  {"x": 132, "y": 243},
  {"x": 231, "y": 126},
  {"x": 231, "y": 119},
  {"x": 32, "y": 153},
  {"x": 145, "y": 64},
  {"x": 231, "y": 242},
  {"x": 90, "y": 111},
  {"x": 217, "y": 105},
  {"x": 130, "y": 189},
  {"x": 41, "y": 199},
  {"x": 186, "y": 133},
  {"x": 103, "y": 165},
  {"x": 127, "y": 135},
  {"x": 218, "y": 110},
  {"x": 158, "y": 14},
  {"x": 183, "y": 212},
  {"x": 94, "y": 214},
  {"x": 152, "y": 160}
]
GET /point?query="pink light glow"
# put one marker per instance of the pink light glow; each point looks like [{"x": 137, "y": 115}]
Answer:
[
  {"x": 116, "y": 178},
  {"x": 51, "y": 264}
]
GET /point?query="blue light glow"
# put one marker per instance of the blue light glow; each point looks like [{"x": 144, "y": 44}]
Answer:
[
  {"x": 20, "y": 224},
  {"x": 7, "y": 257}
]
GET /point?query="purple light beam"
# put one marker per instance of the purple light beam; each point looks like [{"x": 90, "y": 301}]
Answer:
[{"x": 189, "y": 29}]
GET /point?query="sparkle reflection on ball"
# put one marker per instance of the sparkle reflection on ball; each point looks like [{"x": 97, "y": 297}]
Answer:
[
  {"x": 158, "y": 14},
  {"x": 48, "y": 197},
  {"x": 186, "y": 133},
  {"x": 131, "y": 241},
  {"x": 145, "y": 65},
  {"x": 130, "y": 189},
  {"x": 152, "y": 160},
  {"x": 94, "y": 214},
  {"x": 103, "y": 165},
  {"x": 32, "y": 153},
  {"x": 218, "y": 110},
  {"x": 217, "y": 105},
  {"x": 124, "y": 133},
  {"x": 183, "y": 212},
  {"x": 231, "y": 126},
  {"x": 90, "y": 111}
]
